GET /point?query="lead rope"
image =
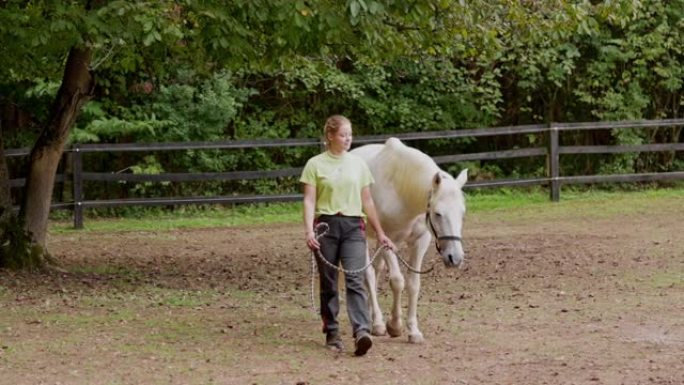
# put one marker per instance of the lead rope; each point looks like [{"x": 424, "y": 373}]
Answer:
[
  {"x": 412, "y": 269},
  {"x": 320, "y": 230}
]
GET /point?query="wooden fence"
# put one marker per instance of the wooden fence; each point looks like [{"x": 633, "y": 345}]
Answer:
[{"x": 552, "y": 151}]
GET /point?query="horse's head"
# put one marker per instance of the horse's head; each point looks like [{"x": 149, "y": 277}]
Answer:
[{"x": 444, "y": 216}]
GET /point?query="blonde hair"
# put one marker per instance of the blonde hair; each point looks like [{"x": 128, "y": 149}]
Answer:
[{"x": 332, "y": 125}]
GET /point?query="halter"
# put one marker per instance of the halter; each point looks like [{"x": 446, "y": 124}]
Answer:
[{"x": 438, "y": 238}]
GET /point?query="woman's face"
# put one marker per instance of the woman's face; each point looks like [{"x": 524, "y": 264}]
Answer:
[{"x": 341, "y": 140}]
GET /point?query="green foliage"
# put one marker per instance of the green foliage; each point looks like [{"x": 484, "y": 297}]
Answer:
[
  {"x": 197, "y": 111},
  {"x": 190, "y": 109},
  {"x": 411, "y": 96},
  {"x": 150, "y": 165},
  {"x": 205, "y": 71},
  {"x": 634, "y": 72},
  {"x": 179, "y": 112}
]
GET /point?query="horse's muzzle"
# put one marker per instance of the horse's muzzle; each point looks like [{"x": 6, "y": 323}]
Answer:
[{"x": 451, "y": 260}]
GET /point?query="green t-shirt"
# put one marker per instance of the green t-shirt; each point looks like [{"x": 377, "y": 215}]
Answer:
[{"x": 338, "y": 182}]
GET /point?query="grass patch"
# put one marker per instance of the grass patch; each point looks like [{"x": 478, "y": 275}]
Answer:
[
  {"x": 4, "y": 293},
  {"x": 146, "y": 297},
  {"x": 172, "y": 331},
  {"x": 185, "y": 298},
  {"x": 516, "y": 204},
  {"x": 108, "y": 270},
  {"x": 505, "y": 200},
  {"x": 79, "y": 320},
  {"x": 667, "y": 279},
  {"x": 180, "y": 219}
]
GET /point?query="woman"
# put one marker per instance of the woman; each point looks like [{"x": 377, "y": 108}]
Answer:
[{"x": 337, "y": 192}]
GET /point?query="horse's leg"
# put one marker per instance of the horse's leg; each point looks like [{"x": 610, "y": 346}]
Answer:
[
  {"x": 378, "y": 323},
  {"x": 380, "y": 271},
  {"x": 417, "y": 250},
  {"x": 394, "y": 325}
]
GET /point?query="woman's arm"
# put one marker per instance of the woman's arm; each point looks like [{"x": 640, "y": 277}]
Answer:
[
  {"x": 371, "y": 213},
  {"x": 309, "y": 211}
]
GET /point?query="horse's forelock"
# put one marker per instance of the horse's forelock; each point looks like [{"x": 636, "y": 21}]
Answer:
[{"x": 449, "y": 189}]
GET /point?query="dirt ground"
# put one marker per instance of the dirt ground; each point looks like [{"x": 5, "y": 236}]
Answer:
[{"x": 568, "y": 295}]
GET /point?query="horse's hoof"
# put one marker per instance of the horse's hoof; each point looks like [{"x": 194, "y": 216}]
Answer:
[
  {"x": 393, "y": 331},
  {"x": 416, "y": 338},
  {"x": 379, "y": 330}
]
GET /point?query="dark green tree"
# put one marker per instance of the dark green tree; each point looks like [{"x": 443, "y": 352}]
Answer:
[{"x": 89, "y": 47}]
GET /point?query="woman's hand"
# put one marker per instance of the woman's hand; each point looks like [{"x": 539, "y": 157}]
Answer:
[
  {"x": 386, "y": 242},
  {"x": 369, "y": 209},
  {"x": 311, "y": 241}
]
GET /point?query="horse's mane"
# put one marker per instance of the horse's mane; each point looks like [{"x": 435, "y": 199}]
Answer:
[{"x": 409, "y": 170}]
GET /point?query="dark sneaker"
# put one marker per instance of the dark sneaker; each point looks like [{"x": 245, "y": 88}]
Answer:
[
  {"x": 333, "y": 341},
  {"x": 363, "y": 343}
]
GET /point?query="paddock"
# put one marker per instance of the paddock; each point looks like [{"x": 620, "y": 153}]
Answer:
[{"x": 577, "y": 292}]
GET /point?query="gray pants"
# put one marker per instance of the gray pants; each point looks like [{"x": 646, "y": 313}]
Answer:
[{"x": 344, "y": 242}]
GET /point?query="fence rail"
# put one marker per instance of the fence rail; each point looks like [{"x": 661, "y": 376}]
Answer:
[{"x": 552, "y": 152}]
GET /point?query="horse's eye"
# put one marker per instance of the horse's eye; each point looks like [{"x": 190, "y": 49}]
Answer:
[{"x": 438, "y": 214}]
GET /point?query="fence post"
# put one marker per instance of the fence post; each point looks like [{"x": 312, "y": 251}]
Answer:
[
  {"x": 554, "y": 163},
  {"x": 78, "y": 187}
]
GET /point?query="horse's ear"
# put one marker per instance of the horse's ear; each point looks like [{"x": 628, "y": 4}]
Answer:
[
  {"x": 462, "y": 178},
  {"x": 436, "y": 180}
]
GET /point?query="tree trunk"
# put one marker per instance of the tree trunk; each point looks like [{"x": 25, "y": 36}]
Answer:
[
  {"x": 5, "y": 193},
  {"x": 75, "y": 91}
]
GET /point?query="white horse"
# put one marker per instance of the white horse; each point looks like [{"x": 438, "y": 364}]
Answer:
[{"x": 415, "y": 200}]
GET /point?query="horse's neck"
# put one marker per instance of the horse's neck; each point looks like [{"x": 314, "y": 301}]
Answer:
[
  {"x": 409, "y": 172},
  {"x": 415, "y": 194}
]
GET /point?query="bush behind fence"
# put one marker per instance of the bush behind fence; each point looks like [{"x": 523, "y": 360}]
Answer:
[{"x": 140, "y": 186}]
